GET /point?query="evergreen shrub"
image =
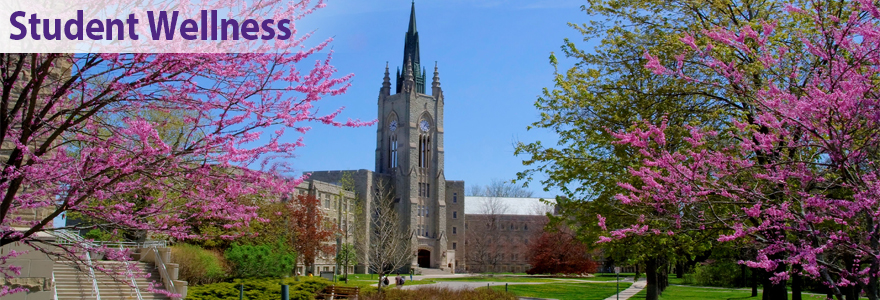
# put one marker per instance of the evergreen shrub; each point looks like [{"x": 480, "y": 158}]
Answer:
[
  {"x": 259, "y": 289},
  {"x": 257, "y": 261}
]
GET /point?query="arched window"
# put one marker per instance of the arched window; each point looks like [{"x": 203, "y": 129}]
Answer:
[
  {"x": 392, "y": 153},
  {"x": 392, "y": 141},
  {"x": 424, "y": 143}
]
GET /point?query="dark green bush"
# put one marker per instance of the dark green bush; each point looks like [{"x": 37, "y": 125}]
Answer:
[
  {"x": 260, "y": 260},
  {"x": 197, "y": 265},
  {"x": 688, "y": 279},
  {"x": 718, "y": 273},
  {"x": 258, "y": 289}
]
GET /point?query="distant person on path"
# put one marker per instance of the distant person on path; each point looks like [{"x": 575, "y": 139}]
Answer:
[
  {"x": 397, "y": 280},
  {"x": 385, "y": 280}
]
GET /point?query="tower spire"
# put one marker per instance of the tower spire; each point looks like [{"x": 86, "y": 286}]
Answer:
[
  {"x": 386, "y": 82},
  {"x": 411, "y": 46},
  {"x": 412, "y": 19},
  {"x": 436, "y": 91},
  {"x": 411, "y": 54}
]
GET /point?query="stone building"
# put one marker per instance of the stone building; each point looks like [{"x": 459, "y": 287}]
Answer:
[
  {"x": 410, "y": 155},
  {"x": 498, "y": 231},
  {"x": 338, "y": 207}
]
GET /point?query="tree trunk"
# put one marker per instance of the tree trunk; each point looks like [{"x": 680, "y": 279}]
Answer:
[
  {"x": 742, "y": 282},
  {"x": 755, "y": 282},
  {"x": 849, "y": 293},
  {"x": 797, "y": 283},
  {"x": 773, "y": 291},
  {"x": 663, "y": 279},
  {"x": 653, "y": 292},
  {"x": 380, "y": 281},
  {"x": 679, "y": 270},
  {"x": 871, "y": 287}
]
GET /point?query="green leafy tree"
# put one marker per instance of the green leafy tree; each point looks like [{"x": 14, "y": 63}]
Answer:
[
  {"x": 347, "y": 256},
  {"x": 608, "y": 89}
]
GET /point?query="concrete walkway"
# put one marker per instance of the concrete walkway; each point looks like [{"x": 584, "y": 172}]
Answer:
[{"x": 634, "y": 289}]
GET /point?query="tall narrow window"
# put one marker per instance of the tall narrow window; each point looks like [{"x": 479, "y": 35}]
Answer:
[
  {"x": 392, "y": 153},
  {"x": 424, "y": 144},
  {"x": 424, "y": 150},
  {"x": 454, "y": 197},
  {"x": 392, "y": 142}
]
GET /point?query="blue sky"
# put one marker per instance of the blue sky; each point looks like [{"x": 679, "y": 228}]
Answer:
[{"x": 493, "y": 59}]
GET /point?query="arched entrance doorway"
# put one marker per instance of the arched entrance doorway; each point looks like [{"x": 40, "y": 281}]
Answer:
[{"x": 424, "y": 258}]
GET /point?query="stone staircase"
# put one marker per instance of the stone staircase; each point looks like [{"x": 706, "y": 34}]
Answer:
[{"x": 72, "y": 283}]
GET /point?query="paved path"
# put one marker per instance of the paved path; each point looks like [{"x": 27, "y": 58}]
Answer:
[{"x": 634, "y": 289}]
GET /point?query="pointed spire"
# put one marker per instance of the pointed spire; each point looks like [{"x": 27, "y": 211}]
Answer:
[
  {"x": 408, "y": 81},
  {"x": 436, "y": 91},
  {"x": 386, "y": 82},
  {"x": 411, "y": 56},
  {"x": 412, "y": 19},
  {"x": 436, "y": 82}
]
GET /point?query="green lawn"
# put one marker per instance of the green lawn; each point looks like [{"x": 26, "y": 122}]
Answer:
[
  {"x": 598, "y": 278},
  {"x": 565, "y": 291},
  {"x": 496, "y": 279},
  {"x": 706, "y": 293}
]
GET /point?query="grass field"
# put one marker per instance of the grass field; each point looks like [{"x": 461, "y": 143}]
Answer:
[
  {"x": 496, "y": 279},
  {"x": 599, "y": 278},
  {"x": 708, "y": 293},
  {"x": 565, "y": 291}
]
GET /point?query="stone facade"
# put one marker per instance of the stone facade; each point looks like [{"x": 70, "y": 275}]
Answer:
[
  {"x": 500, "y": 243},
  {"x": 338, "y": 207},
  {"x": 36, "y": 272}
]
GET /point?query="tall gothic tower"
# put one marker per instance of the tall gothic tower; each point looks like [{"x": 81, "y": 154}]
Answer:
[
  {"x": 409, "y": 153},
  {"x": 410, "y": 150}
]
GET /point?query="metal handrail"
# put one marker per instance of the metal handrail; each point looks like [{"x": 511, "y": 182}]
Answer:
[
  {"x": 54, "y": 286},
  {"x": 92, "y": 274},
  {"x": 68, "y": 237},
  {"x": 169, "y": 284},
  {"x": 133, "y": 281}
]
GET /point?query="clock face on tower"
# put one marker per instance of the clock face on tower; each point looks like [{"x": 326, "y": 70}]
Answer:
[
  {"x": 393, "y": 126},
  {"x": 424, "y": 126}
]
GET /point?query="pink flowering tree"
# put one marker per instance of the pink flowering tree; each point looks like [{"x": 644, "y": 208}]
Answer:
[
  {"x": 159, "y": 143},
  {"x": 796, "y": 173}
]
